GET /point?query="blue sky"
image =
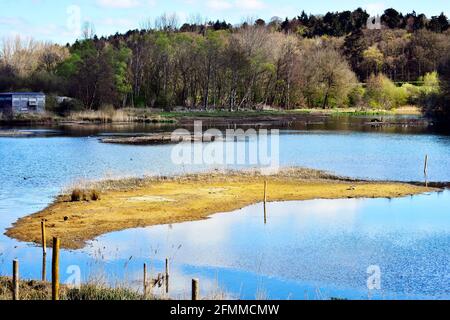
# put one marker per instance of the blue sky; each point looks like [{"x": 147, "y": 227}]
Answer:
[{"x": 59, "y": 20}]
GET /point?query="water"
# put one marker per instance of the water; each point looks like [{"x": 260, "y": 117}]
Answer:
[
  {"x": 306, "y": 246},
  {"x": 314, "y": 249}
]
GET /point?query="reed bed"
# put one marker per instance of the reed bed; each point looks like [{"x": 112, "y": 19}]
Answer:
[{"x": 109, "y": 114}]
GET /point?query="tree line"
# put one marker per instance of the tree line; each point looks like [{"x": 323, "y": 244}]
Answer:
[{"x": 311, "y": 61}]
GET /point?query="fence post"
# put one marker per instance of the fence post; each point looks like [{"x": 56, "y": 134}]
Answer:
[
  {"x": 265, "y": 191},
  {"x": 15, "y": 281},
  {"x": 44, "y": 251},
  {"x": 44, "y": 267},
  {"x": 55, "y": 269},
  {"x": 265, "y": 202},
  {"x": 44, "y": 237},
  {"x": 167, "y": 275},
  {"x": 145, "y": 281},
  {"x": 195, "y": 290}
]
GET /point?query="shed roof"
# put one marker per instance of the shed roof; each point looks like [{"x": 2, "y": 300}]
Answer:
[{"x": 22, "y": 93}]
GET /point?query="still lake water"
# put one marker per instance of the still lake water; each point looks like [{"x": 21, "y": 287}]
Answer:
[{"x": 308, "y": 250}]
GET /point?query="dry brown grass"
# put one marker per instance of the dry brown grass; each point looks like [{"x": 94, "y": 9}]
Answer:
[
  {"x": 95, "y": 195},
  {"x": 78, "y": 195},
  {"x": 103, "y": 116},
  {"x": 131, "y": 203},
  {"x": 408, "y": 110},
  {"x": 108, "y": 114},
  {"x": 38, "y": 290}
]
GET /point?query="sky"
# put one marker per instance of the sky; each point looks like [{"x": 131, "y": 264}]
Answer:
[{"x": 60, "y": 21}]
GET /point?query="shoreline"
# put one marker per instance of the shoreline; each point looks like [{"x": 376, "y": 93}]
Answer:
[
  {"x": 172, "y": 117},
  {"x": 143, "y": 202}
]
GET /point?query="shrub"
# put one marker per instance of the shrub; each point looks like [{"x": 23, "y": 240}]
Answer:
[
  {"x": 95, "y": 195},
  {"x": 82, "y": 195},
  {"x": 383, "y": 93},
  {"x": 77, "y": 195},
  {"x": 356, "y": 97},
  {"x": 413, "y": 92},
  {"x": 51, "y": 103},
  {"x": 69, "y": 105},
  {"x": 431, "y": 83}
]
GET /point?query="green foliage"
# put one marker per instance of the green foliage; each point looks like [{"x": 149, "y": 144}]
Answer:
[
  {"x": 69, "y": 67},
  {"x": 436, "y": 101},
  {"x": 120, "y": 59},
  {"x": 373, "y": 58},
  {"x": 356, "y": 97},
  {"x": 334, "y": 79},
  {"x": 223, "y": 67},
  {"x": 51, "y": 103},
  {"x": 431, "y": 83},
  {"x": 382, "y": 93},
  {"x": 67, "y": 106}
]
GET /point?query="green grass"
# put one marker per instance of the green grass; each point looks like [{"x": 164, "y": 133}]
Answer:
[
  {"x": 272, "y": 113},
  {"x": 147, "y": 116},
  {"x": 363, "y": 113},
  {"x": 221, "y": 114}
]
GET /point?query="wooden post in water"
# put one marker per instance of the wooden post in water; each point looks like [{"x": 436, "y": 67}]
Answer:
[
  {"x": 15, "y": 281},
  {"x": 55, "y": 270},
  {"x": 265, "y": 213},
  {"x": 265, "y": 202},
  {"x": 44, "y": 267},
  {"x": 44, "y": 251},
  {"x": 167, "y": 275},
  {"x": 44, "y": 237},
  {"x": 145, "y": 281},
  {"x": 195, "y": 290},
  {"x": 425, "y": 170}
]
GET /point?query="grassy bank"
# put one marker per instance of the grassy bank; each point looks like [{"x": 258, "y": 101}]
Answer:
[
  {"x": 115, "y": 205},
  {"x": 405, "y": 110},
  {"x": 38, "y": 290},
  {"x": 90, "y": 117},
  {"x": 130, "y": 115}
]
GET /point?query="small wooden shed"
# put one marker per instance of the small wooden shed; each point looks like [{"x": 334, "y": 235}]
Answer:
[{"x": 12, "y": 103}]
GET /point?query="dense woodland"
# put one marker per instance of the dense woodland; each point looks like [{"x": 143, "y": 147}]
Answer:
[{"x": 328, "y": 61}]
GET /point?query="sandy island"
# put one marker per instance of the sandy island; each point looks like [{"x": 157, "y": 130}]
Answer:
[{"x": 132, "y": 203}]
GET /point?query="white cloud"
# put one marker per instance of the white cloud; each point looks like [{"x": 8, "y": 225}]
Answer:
[
  {"x": 12, "y": 21},
  {"x": 237, "y": 4},
  {"x": 219, "y": 4},
  {"x": 122, "y": 4},
  {"x": 250, "y": 4},
  {"x": 119, "y": 22}
]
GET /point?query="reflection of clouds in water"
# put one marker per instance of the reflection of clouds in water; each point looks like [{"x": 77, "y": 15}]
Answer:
[
  {"x": 327, "y": 241},
  {"x": 207, "y": 232},
  {"x": 324, "y": 214},
  {"x": 180, "y": 283},
  {"x": 165, "y": 240}
]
